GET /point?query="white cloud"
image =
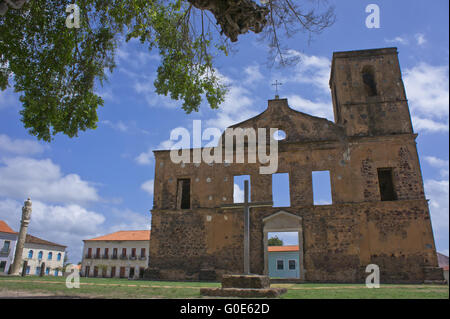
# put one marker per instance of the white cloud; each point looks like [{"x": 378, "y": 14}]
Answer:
[
  {"x": 238, "y": 194},
  {"x": 428, "y": 125},
  {"x": 428, "y": 95},
  {"x": 438, "y": 163},
  {"x": 134, "y": 58},
  {"x": 126, "y": 219},
  {"x": 420, "y": 38},
  {"x": 148, "y": 186},
  {"x": 147, "y": 90},
  {"x": 397, "y": 39},
  {"x": 318, "y": 108},
  {"x": 437, "y": 191},
  {"x": 145, "y": 158},
  {"x": 19, "y": 146},
  {"x": 119, "y": 126},
  {"x": 22, "y": 177},
  {"x": 236, "y": 108},
  {"x": 311, "y": 69},
  {"x": 253, "y": 74}
]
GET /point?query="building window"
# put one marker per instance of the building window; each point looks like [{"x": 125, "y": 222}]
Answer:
[
  {"x": 280, "y": 264},
  {"x": 106, "y": 254},
  {"x": 280, "y": 190},
  {"x": 239, "y": 188},
  {"x": 124, "y": 253},
  {"x": 59, "y": 257},
  {"x": 321, "y": 188},
  {"x": 291, "y": 264},
  {"x": 97, "y": 253},
  {"x": 133, "y": 252},
  {"x": 2, "y": 266},
  {"x": 6, "y": 246},
  {"x": 142, "y": 252},
  {"x": 30, "y": 254},
  {"x": 386, "y": 183},
  {"x": 114, "y": 256},
  {"x": 368, "y": 76},
  {"x": 50, "y": 256},
  {"x": 28, "y": 270},
  {"x": 184, "y": 194},
  {"x": 40, "y": 255}
]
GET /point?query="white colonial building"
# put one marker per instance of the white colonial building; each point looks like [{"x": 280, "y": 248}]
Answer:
[
  {"x": 37, "y": 254},
  {"x": 8, "y": 240},
  {"x": 121, "y": 254},
  {"x": 42, "y": 255}
]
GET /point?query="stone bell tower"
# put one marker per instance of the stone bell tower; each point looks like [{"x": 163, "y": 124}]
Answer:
[{"x": 368, "y": 94}]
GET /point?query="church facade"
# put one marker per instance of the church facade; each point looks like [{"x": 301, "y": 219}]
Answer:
[{"x": 378, "y": 215}]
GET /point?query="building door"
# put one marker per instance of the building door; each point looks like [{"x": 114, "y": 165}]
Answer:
[
  {"x": 2, "y": 266},
  {"x": 95, "y": 271},
  {"x": 113, "y": 272},
  {"x": 122, "y": 272},
  {"x": 131, "y": 273},
  {"x": 288, "y": 261},
  {"x": 87, "y": 270},
  {"x": 141, "y": 272}
]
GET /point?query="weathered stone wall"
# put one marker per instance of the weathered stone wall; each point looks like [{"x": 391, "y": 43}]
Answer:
[{"x": 339, "y": 241}]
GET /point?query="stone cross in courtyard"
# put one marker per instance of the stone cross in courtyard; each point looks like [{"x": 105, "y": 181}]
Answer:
[{"x": 247, "y": 205}]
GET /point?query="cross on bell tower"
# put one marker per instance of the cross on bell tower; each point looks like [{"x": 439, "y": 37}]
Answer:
[{"x": 276, "y": 84}]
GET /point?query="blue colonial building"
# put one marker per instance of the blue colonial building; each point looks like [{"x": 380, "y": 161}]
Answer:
[{"x": 284, "y": 261}]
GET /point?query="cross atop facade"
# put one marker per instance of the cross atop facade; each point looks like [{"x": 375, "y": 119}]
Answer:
[
  {"x": 276, "y": 84},
  {"x": 247, "y": 205}
]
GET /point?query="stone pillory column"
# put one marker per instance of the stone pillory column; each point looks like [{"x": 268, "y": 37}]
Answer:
[{"x": 26, "y": 215}]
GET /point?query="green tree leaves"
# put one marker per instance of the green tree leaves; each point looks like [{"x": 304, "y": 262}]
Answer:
[{"x": 55, "y": 68}]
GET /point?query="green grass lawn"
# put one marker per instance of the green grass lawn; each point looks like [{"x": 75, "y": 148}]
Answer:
[{"x": 123, "y": 288}]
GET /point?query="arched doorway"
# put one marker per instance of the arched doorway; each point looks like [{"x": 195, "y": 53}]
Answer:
[{"x": 283, "y": 221}]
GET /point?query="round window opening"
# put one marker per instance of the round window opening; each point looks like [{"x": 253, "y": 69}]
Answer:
[{"x": 279, "y": 135}]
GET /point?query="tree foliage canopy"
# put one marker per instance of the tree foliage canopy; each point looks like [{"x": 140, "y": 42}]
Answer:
[
  {"x": 56, "y": 68},
  {"x": 275, "y": 241}
]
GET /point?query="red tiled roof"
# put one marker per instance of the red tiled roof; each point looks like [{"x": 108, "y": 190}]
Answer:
[
  {"x": 124, "y": 235},
  {"x": 35, "y": 240},
  {"x": 282, "y": 248},
  {"x": 4, "y": 228}
]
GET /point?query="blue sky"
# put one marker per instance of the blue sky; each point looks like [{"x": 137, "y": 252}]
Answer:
[{"x": 101, "y": 181}]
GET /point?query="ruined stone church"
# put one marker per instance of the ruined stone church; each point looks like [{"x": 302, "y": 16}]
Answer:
[{"x": 379, "y": 213}]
